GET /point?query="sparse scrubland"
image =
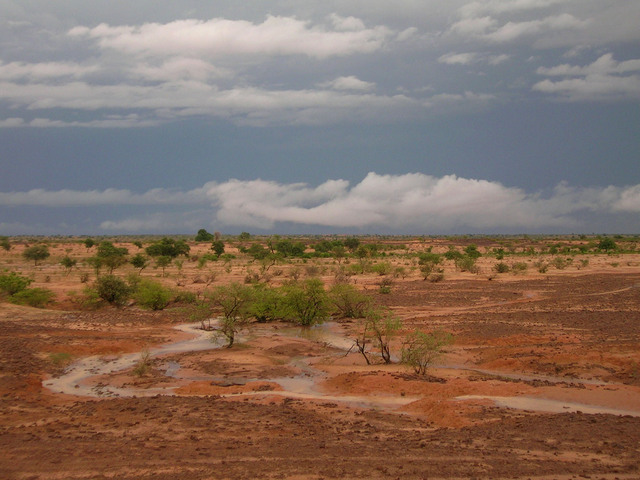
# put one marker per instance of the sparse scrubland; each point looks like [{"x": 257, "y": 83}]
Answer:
[{"x": 320, "y": 357}]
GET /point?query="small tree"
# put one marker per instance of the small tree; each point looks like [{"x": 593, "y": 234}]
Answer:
[
  {"x": 306, "y": 302},
  {"x": 153, "y": 295},
  {"x": 113, "y": 289},
  {"x": 352, "y": 243},
  {"x": 68, "y": 263},
  {"x": 163, "y": 262},
  {"x": 421, "y": 349},
  {"x": 4, "y": 243},
  {"x": 89, "y": 242},
  {"x": 203, "y": 236},
  {"x": 383, "y": 326},
  {"x": 234, "y": 301},
  {"x": 109, "y": 256},
  {"x": 140, "y": 262},
  {"x": 266, "y": 304},
  {"x": 36, "y": 253},
  {"x": 218, "y": 247},
  {"x": 349, "y": 301},
  {"x": 168, "y": 247},
  {"x": 12, "y": 283},
  {"x": 607, "y": 244}
]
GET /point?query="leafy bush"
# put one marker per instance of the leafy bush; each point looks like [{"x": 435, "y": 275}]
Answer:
[
  {"x": 472, "y": 251},
  {"x": 425, "y": 258},
  {"x": 153, "y": 295},
  {"x": 385, "y": 285},
  {"x": 112, "y": 289},
  {"x": 607, "y": 244},
  {"x": 36, "y": 253},
  {"x": 306, "y": 302},
  {"x": 452, "y": 254},
  {"x": 184, "y": 296},
  {"x": 33, "y": 297},
  {"x": 501, "y": 267},
  {"x": 519, "y": 267},
  {"x": 466, "y": 264},
  {"x": 349, "y": 301},
  {"x": 144, "y": 364},
  {"x": 267, "y": 304},
  {"x": 561, "y": 263},
  {"x": 68, "y": 263},
  {"x": 60, "y": 359},
  {"x": 437, "y": 276},
  {"x": 382, "y": 268},
  {"x": 420, "y": 349},
  {"x": 12, "y": 283},
  {"x": 541, "y": 266},
  {"x": 168, "y": 247}
]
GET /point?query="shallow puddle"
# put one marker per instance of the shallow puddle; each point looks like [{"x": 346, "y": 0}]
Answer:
[
  {"x": 548, "y": 406},
  {"x": 90, "y": 376}
]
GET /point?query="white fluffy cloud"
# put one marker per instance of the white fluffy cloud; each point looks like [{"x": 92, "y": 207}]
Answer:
[
  {"x": 110, "y": 196},
  {"x": 410, "y": 202},
  {"x": 604, "y": 79},
  {"x": 220, "y": 37},
  {"x": 348, "y": 83}
]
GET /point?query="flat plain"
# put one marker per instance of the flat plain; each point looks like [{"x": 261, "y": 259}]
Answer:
[{"x": 542, "y": 379}]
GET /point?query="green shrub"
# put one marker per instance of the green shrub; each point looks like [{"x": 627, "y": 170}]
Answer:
[
  {"x": 36, "y": 253},
  {"x": 437, "y": 276},
  {"x": 519, "y": 267},
  {"x": 420, "y": 349},
  {"x": 60, "y": 359},
  {"x": 153, "y": 295},
  {"x": 385, "y": 286},
  {"x": 185, "y": 296},
  {"x": 466, "y": 264},
  {"x": 144, "y": 364},
  {"x": 429, "y": 257},
  {"x": 267, "y": 304},
  {"x": 541, "y": 266},
  {"x": 452, "y": 254},
  {"x": 12, "y": 283},
  {"x": 501, "y": 267},
  {"x": 306, "y": 303},
  {"x": 113, "y": 289},
  {"x": 33, "y": 297},
  {"x": 382, "y": 268},
  {"x": 349, "y": 301},
  {"x": 561, "y": 263}
]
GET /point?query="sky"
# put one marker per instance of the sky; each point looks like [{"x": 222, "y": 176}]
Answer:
[{"x": 352, "y": 116}]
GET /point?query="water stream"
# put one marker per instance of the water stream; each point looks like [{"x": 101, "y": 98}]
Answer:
[{"x": 82, "y": 378}]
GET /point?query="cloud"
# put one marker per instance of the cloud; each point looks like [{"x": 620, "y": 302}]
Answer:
[
  {"x": 44, "y": 70},
  {"x": 409, "y": 202},
  {"x": 155, "y": 222},
  {"x": 604, "y": 65},
  {"x": 110, "y": 196},
  {"x": 458, "y": 58},
  {"x": 348, "y": 83},
  {"x": 469, "y": 58},
  {"x": 604, "y": 79},
  {"x": 487, "y": 29},
  {"x": 412, "y": 201},
  {"x": 242, "y": 105},
  {"x": 219, "y": 37},
  {"x": 548, "y": 24},
  {"x": 12, "y": 122}
]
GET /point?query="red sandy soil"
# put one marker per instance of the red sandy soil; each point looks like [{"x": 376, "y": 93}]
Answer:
[{"x": 571, "y": 336}]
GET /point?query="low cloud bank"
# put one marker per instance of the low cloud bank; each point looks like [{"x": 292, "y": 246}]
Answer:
[
  {"x": 409, "y": 202},
  {"x": 412, "y": 201}
]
